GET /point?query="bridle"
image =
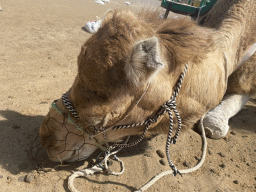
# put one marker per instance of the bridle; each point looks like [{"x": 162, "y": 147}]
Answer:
[{"x": 168, "y": 106}]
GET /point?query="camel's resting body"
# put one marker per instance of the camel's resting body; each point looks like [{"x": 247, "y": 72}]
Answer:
[
  {"x": 130, "y": 67},
  {"x": 235, "y": 19}
]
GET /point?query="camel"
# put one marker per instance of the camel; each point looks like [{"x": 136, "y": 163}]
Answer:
[{"x": 130, "y": 67}]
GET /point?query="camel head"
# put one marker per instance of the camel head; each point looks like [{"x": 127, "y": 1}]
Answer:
[
  {"x": 126, "y": 71},
  {"x": 115, "y": 67}
]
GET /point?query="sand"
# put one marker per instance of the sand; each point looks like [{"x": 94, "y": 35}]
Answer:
[{"x": 39, "y": 45}]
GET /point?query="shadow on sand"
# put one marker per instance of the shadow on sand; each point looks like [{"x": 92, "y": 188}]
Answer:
[{"x": 21, "y": 150}]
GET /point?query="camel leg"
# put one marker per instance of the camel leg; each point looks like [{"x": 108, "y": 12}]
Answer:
[{"x": 216, "y": 120}]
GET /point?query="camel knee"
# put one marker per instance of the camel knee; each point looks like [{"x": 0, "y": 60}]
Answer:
[{"x": 216, "y": 120}]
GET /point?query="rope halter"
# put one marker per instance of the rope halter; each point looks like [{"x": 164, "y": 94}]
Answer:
[{"x": 168, "y": 106}]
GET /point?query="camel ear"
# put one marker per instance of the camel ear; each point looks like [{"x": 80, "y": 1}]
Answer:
[{"x": 144, "y": 62}]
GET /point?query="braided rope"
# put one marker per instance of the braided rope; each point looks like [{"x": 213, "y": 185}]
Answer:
[
  {"x": 69, "y": 106},
  {"x": 179, "y": 83},
  {"x": 183, "y": 171},
  {"x": 168, "y": 106},
  {"x": 133, "y": 143}
]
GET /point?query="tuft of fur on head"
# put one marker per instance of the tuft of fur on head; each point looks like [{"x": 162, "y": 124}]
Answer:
[
  {"x": 183, "y": 39},
  {"x": 119, "y": 42}
]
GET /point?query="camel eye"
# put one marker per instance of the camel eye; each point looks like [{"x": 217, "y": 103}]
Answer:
[{"x": 99, "y": 96}]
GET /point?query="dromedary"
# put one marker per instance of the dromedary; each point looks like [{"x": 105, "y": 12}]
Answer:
[{"x": 130, "y": 67}]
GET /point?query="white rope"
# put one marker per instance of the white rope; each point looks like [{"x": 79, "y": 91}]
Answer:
[
  {"x": 82, "y": 173},
  {"x": 159, "y": 176},
  {"x": 117, "y": 159},
  {"x": 97, "y": 168},
  {"x": 103, "y": 164}
]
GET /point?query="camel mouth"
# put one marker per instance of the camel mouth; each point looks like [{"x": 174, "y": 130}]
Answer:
[{"x": 71, "y": 155}]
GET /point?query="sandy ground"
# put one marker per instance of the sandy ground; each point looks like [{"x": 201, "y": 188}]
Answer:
[{"x": 39, "y": 45}]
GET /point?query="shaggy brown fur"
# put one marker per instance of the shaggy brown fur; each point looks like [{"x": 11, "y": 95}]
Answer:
[
  {"x": 132, "y": 50},
  {"x": 113, "y": 42},
  {"x": 235, "y": 19}
]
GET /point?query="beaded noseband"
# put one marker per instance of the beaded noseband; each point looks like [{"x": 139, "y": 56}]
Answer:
[{"x": 168, "y": 106}]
